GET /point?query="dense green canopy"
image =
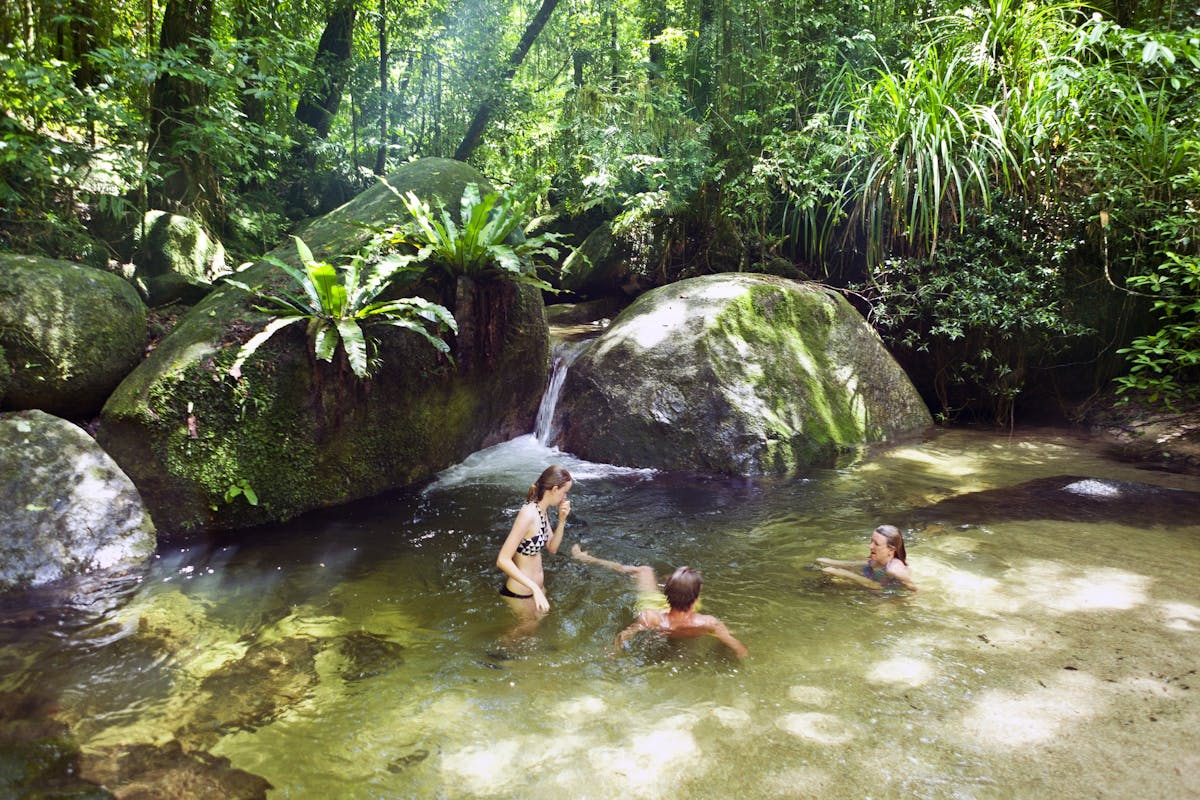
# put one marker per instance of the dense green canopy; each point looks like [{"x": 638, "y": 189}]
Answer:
[{"x": 1007, "y": 186}]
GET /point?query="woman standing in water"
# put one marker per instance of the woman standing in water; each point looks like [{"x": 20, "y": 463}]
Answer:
[
  {"x": 887, "y": 563},
  {"x": 520, "y": 556}
]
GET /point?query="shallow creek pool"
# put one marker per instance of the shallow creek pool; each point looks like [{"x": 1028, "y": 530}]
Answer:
[{"x": 364, "y": 652}]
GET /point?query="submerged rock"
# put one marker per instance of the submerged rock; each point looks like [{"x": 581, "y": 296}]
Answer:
[
  {"x": 69, "y": 334},
  {"x": 302, "y": 434},
  {"x": 252, "y": 691},
  {"x": 68, "y": 509},
  {"x": 735, "y": 374},
  {"x": 1069, "y": 498},
  {"x": 367, "y": 655},
  {"x": 161, "y": 771},
  {"x": 38, "y": 757}
]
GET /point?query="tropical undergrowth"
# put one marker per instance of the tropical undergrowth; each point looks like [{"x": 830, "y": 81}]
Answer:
[
  {"x": 338, "y": 305},
  {"x": 992, "y": 307}
]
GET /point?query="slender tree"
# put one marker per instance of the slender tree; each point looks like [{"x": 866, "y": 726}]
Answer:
[
  {"x": 484, "y": 112},
  {"x": 189, "y": 182},
  {"x": 381, "y": 153}
]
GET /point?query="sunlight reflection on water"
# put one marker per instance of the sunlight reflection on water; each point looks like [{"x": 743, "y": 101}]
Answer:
[{"x": 364, "y": 652}]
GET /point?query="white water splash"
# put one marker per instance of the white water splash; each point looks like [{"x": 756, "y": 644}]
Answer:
[{"x": 515, "y": 462}]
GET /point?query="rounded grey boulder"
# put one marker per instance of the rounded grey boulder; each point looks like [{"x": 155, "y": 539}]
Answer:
[
  {"x": 68, "y": 509},
  {"x": 69, "y": 333},
  {"x": 735, "y": 374}
]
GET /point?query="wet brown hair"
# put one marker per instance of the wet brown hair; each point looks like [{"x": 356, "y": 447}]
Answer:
[
  {"x": 552, "y": 477},
  {"x": 895, "y": 540},
  {"x": 683, "y": 588}
]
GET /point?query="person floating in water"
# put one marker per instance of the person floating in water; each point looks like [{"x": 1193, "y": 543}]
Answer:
[
  {"x": 520, "y": 556},
  {"x": 887, "y": 563},
  {"x": 670, "y": 611}
]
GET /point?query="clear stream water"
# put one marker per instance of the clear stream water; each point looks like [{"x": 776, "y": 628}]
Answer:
[{"x": 364, "y": 652}]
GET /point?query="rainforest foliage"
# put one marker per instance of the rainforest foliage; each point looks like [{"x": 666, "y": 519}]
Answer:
[{"x": 1004, "y": 186}]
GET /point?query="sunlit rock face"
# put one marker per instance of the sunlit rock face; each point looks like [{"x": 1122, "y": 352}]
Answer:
[
  {"x": 68, "y": 509},
  {"x": 303, "y": 434},
  {"x": 735, "y": 374},
  {"x": 69, "y": 333}
]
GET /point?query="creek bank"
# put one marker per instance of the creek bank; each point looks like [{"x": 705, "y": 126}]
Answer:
[
  {"x": 1069, "y": 498},
  {"x": 1151, "y": 435}
]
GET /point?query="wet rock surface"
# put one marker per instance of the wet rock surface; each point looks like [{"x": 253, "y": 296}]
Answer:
[
  {"x": 67, "y": 508},
  {"x": 1156, "y": 437},
  {"x": 367, "y": 655},
  {"x": 38, "y": 757},
  {"x": 147, "y": 771},
  {"x": 252, "y": 691}
]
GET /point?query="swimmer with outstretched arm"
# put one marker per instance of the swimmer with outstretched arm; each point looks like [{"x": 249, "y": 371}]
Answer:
[
  {"x": 887, "y": 563},
  {"x": 671, "y": 611}
]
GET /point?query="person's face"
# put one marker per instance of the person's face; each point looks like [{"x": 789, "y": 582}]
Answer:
[
  {"x": 559, "y": 493},
  {"x": 881, "y": 552}
]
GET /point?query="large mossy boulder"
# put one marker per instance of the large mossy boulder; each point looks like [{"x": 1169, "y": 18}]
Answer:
[
  {"x": 735, "y": 374},
  {"x": 69, "y": 334},
  {"x": 176, "y": 259},
  {"x": 296, "y": 434},
  {"x": 67, "y": 508}
]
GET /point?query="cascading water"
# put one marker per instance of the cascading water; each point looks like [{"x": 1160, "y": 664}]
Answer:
[
  {"x": 564, "y": 355},
  {"x": 513, "y": 462}
]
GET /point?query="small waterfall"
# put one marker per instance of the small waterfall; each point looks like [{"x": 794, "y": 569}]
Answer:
[
  {"x": 515, "y": 462},
  {"x": 563, "y": 356}
]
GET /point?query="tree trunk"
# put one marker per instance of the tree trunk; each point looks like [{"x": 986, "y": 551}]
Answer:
[
  {"x": 484, "y": 112},
  {"x": 249, "y": 27},
  {"x": 190, "y": 184},
  {"x": 381, "y": 154},
  {"x": 331, "y": 69}
]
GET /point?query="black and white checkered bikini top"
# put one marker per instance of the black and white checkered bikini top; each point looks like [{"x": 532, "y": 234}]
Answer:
[{"x": 534, "y": 544}]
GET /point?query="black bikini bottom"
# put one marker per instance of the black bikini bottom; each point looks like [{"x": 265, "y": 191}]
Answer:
[{"x": 504, "y": 590}]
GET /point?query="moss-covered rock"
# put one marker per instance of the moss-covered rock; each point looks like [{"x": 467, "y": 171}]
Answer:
[
  {"x": 176, "y": 259},
  {"x": 70, "y": 334},
  {"x": 304, "y": 434},
  {"x": 67, "y": 508},
  {"x": 600, "y": 266},
  {"x": 735, "y": 374},
  {"x": 38, "y": 757}
]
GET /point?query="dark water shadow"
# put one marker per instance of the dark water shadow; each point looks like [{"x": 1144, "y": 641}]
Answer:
[{"x": 1069, "y": 498}]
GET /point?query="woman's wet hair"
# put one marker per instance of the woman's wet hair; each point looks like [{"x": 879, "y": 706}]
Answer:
[
  {"x": 894, "y": 539},
  {"x": 682, "y": 588},
  {"x": 552, "y": 477}
]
